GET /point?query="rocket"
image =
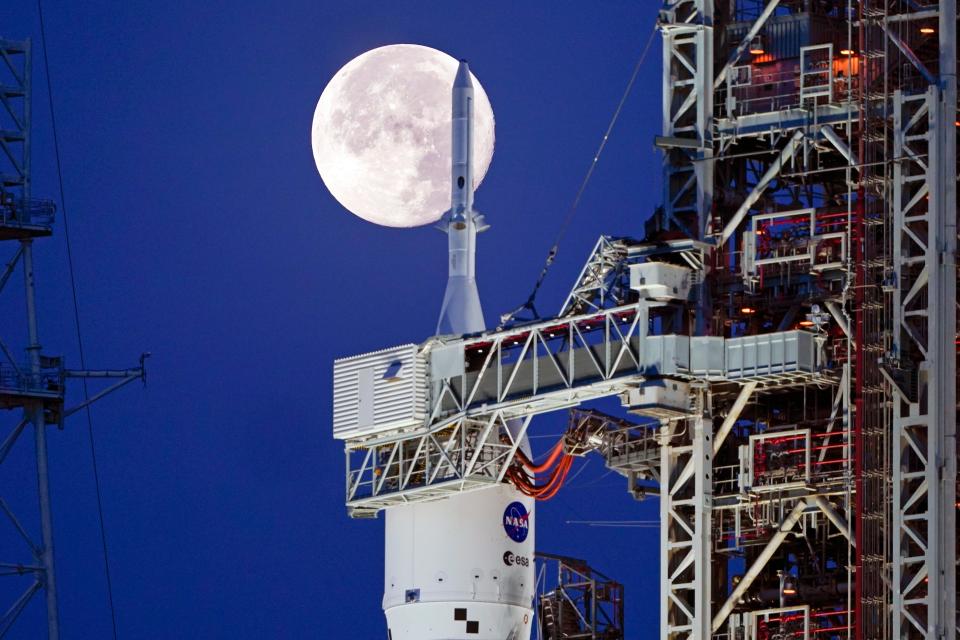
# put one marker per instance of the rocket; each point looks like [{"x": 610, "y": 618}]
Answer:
[
  {"x": 461, "y": 567},
  {"x": 461, "y": 311}
]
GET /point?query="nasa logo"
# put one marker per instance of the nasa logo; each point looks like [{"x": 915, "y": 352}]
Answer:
[
  {"x": 516, "y": 521},
  {"x": 507, "y": 558}
]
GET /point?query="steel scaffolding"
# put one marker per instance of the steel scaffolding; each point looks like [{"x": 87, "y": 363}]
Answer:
[{"x": 788, "y": 322}]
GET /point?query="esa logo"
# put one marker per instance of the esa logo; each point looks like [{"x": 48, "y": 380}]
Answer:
[
  {"x": 516, "y": 521},
  {"x": 510, "y": 560}
]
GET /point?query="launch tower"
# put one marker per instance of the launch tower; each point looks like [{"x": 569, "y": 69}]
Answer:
[{"x": 785, "y": 331}]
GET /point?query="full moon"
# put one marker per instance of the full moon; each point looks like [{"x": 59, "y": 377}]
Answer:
[{"x": 381, "y": 135}]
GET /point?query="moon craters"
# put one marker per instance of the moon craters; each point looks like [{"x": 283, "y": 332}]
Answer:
[{"x": 381, "y": 135}]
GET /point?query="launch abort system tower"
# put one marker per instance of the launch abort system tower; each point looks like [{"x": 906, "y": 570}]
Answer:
[{"x": 785, "y": 330}]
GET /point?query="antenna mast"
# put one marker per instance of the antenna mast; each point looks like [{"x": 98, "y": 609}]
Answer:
[{"x": 36, "y": 387}]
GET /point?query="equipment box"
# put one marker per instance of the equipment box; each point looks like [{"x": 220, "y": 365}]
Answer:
[
  {"x": 660, "y": 281},
  {"x": 771, "y": 354},
  {"x": 380, "y": 391}
]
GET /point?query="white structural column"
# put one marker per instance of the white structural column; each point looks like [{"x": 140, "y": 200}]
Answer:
[
  {"x": 924, "y": 456},
  {"x": 686, "y": 498},
  {"x": 685, "y": 507},
  {"x": 687, "y": 28},
  {"x": 947, "y": 622}
]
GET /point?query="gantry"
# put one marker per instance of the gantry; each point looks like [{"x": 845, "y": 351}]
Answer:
[{"x": 784, "y": 333}]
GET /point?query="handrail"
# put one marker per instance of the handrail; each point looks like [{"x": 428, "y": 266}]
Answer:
[
  {"x": 32, "y": 212},
  {"x": 23, "y": 380}
]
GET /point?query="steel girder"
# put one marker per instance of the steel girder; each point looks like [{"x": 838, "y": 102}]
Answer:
[
  {"x": 687, "y": 28},
  {"x": 924, "y": 457},
  {"x": 688, "y": 79},
  {"x": 685, "y": 525}
]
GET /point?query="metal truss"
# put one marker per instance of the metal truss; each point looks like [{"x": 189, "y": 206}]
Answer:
[
  {"x": 924, "y": 422},
  {"x": 516, "y": 374},
  {"x": 604, "y": 278},
  {"x": 584, "y": 604},
  {"x": 809, "y": 512},
  {"x": 629, "y": 449},
  {"x": 39, "y": 392},
  {"x": 687, "y": 28},
  {"x": 15, "y": 119},
  {"x": 464, "y": 444},
  {"x": 604, "y": 281},
  {"x": 465, "y": 454},
  {"x": 37, "y": 386},
  {"x": 549, "y": 365},
  {"x": 685, "y": 525},
  {"x": 564, "y": 362},
  {"x": 20, "y": 214}
]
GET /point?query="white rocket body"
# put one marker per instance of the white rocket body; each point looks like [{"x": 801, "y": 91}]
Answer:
[
  {"x": 452, "y": 571},
  {"x": 461, "y": 567}
]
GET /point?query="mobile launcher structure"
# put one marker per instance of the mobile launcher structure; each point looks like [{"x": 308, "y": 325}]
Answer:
[{"x": 788, "y": 321}]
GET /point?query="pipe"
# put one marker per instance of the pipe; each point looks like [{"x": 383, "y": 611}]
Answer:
[
  {"x": 12, "y": 438},
  {"x": 837, "y": 312},
  {"x": 745, "y": 392},
  {"x": 8, "y": 270},
  {"x": 858, "y": 403},
  {"x": 758, "y": 190},
  {"x": 782, "y": 532},
  {"x": 828, "y": 132},
  {"x": 37, "y": 416},
  {"x": 834, "y": 517},
  {"x": 555, "y": 453},
  {"x": 738, "y": 405},
  {"x": 911, "y": 56}
]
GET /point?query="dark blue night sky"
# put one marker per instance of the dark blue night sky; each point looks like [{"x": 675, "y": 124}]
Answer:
[{"x": 202, "y": 233}]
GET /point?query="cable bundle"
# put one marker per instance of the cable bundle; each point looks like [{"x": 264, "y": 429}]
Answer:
[{"x": 558, "y": 463}]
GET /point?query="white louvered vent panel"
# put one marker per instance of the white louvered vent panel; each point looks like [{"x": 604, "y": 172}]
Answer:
[{"x": 379, "y": 391}]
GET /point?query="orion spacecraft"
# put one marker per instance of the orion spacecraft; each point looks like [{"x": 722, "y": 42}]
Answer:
[{"x": 461, "y": 566}]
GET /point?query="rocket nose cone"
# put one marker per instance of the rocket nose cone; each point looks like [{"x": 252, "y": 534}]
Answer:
[{"x": 463, "y": 76}]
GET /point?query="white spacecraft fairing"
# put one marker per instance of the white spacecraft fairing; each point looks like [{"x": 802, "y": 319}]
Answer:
[{"x": 461, "y": 567}]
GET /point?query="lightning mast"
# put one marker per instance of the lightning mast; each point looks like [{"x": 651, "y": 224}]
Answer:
[{"x": 35, "y": 387}]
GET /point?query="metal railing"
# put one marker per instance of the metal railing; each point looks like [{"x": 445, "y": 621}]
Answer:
[
  {"x": 755, "y": 90},
  {"x": 584, "y": 604},
  {"x": 20, "y": 380},
  {"x": 31, "y": 213}
]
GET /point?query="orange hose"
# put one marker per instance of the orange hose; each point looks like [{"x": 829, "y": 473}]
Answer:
[
  {"x": 518, "y": 475},
  {"x": 546, "y": 464},
  {"x": 550, "y": 487},
  {"x": 566, "y": 464}
]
